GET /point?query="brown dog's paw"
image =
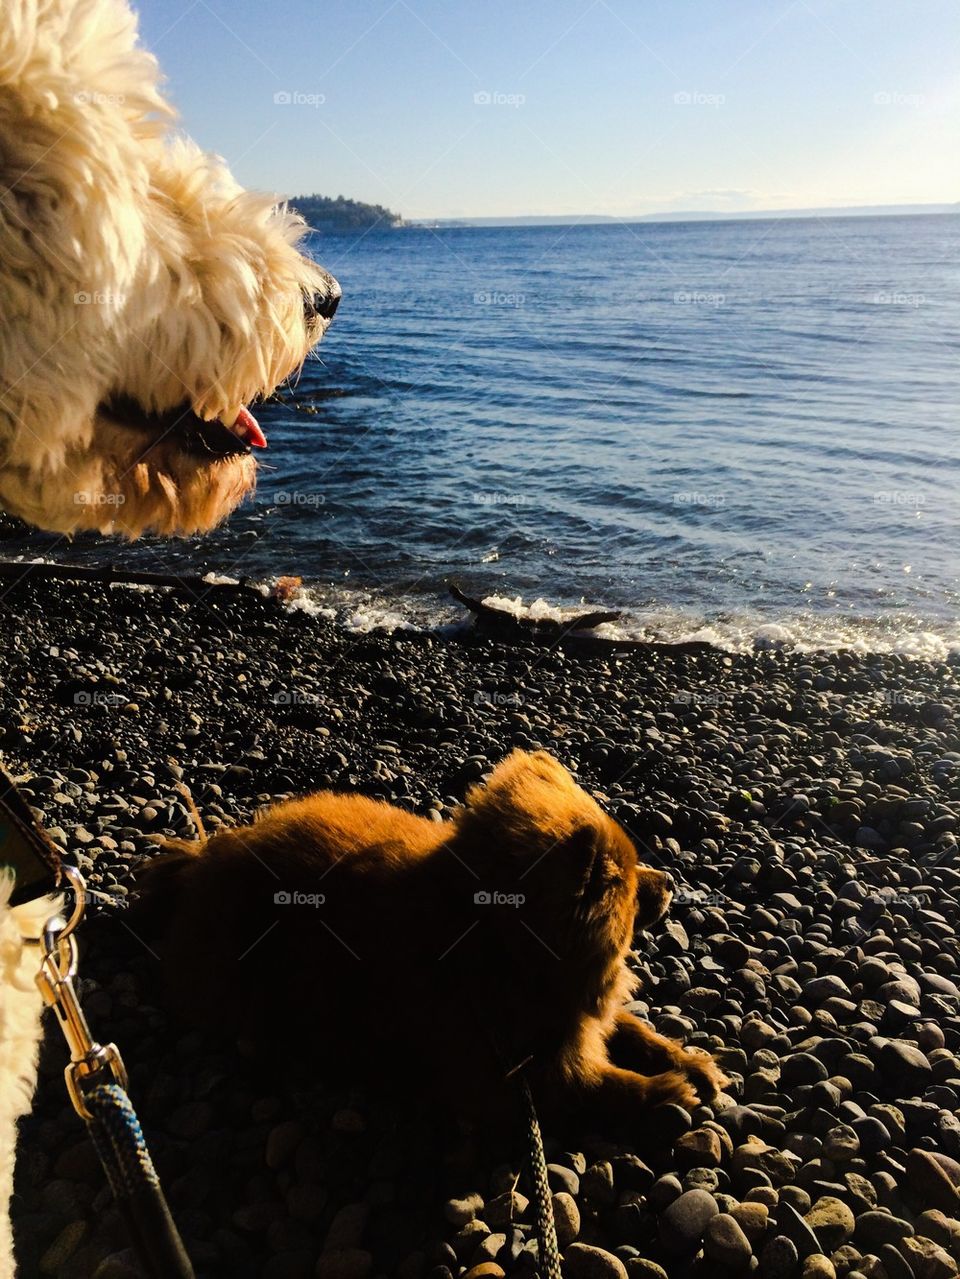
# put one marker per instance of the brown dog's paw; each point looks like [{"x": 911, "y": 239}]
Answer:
[
  {"x": 704, "y": 1072},
  {"x": 670, "y": 1088}
]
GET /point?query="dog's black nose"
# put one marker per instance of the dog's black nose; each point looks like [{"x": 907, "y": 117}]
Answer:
[{"x": 324, "y": 302}]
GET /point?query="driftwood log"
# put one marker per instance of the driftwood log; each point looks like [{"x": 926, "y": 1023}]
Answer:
[
  {"x": 573, "y": 631},
  {"x": 25, "y": 569},
  {"x": 497, "y": 621}
]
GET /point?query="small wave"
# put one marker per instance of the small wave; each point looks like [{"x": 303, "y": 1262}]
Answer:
[{"x": 362, "y": 612}]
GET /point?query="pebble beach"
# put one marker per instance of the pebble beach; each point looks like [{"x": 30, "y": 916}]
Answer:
[{"x": 807, "y": 806}]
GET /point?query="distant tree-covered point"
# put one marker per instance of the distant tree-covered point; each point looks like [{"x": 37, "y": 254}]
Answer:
[{"x": 325, "y": 213}]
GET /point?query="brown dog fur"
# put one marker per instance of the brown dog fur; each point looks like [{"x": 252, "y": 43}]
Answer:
[{"x": 405, "y": 970}]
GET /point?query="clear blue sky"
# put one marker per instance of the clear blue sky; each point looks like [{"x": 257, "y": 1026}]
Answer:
[{"x": 597, "y": 106}]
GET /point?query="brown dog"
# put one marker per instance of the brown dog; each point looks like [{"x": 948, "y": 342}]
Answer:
[{"x": 445, "y": 953}]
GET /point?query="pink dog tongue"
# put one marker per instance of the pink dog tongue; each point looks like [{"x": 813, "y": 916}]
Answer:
[{"x": 247, "y": 428}]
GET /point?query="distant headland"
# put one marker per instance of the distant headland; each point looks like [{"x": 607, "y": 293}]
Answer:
[
  {"x": 339, "y": 215},
  {"x": 327, "y": 213},
  {"x": 686, "y": 215}
]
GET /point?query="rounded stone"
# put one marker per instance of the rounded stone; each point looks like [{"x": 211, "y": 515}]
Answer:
[
  {"x": 725, "y": 1242},
  {"x": 927, "y": 1259},
  {"x": 840, "y": 1144},
  {"x": 699, "y": 1149},
  {"x": 875, "y": 1228},
  {"x": 566, "y": 1215},
  {"x": 934, "y": 1181},
  {"x": 817, "y": 1266},
  {"x": 644, "y": 1268},
  {"x": 752, "y": 1219},
  {"x": 584, "y": 1261},
  {"x": 779, "y": 1258},
  {"x": 683, "y": 1222},
  {"x": 831, "y": 1221}
]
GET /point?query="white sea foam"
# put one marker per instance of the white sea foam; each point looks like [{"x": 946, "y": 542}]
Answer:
[
  {"x": 539, "y": 611},
  {"x": 364, "y": 611},
  {"x": 303, "y": 603}
]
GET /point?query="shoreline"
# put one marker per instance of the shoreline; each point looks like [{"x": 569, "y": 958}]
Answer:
[
  {"x": 361, "y": 610},
  {"x": 806, "y": 804}
]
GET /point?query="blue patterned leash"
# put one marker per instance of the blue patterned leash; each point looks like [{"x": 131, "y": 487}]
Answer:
[{"x": 97, "y": 1083}]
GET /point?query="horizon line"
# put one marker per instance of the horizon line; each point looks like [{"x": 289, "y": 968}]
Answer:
[{"x": 683, "y": 215}]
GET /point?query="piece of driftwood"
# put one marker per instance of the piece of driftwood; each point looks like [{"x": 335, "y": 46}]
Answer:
[
  {"x": 20, "y": 569},
  {"x": 497, "y": 621},
  {"x": 502, "y": 625}
]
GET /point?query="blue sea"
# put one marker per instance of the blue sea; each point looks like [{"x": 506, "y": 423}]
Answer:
[{"x": 743, "y": 431}]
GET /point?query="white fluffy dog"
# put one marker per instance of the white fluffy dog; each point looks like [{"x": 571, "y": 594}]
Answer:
[{"x": 145, "y": 298}]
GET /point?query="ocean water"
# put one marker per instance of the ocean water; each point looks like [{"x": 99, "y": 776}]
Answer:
[{"x": 739, "y": 431}]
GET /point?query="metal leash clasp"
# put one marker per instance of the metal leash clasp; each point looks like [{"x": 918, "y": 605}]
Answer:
[{"x": 58, "y": 970}]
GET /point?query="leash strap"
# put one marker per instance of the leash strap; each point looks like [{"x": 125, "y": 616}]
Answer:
[
  {"x": 546, "y": 1226},
  {"x": 97, "y": 1081},
  {"x": 117, "y": 1136}
]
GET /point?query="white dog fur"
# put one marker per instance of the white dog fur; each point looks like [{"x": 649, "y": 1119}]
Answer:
[
  {"x": 20, "y": 1007},
  {"x": 136, "y": 277}
]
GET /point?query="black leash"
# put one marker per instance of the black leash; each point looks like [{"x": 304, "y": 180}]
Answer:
[{"x": 95, "y": 1075}]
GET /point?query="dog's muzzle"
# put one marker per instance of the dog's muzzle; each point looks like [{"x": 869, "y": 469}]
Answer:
[
  {"x": 191, "y": 433},
  {"x": 322, "y": 304}
]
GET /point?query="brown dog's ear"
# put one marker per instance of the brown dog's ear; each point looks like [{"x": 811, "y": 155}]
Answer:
[
  {"x": 575, "y": 848},
  {"x": 522, "y": 774},
  {"x": 582, "y": 843},
  {"x": 533, "y": 805}
]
